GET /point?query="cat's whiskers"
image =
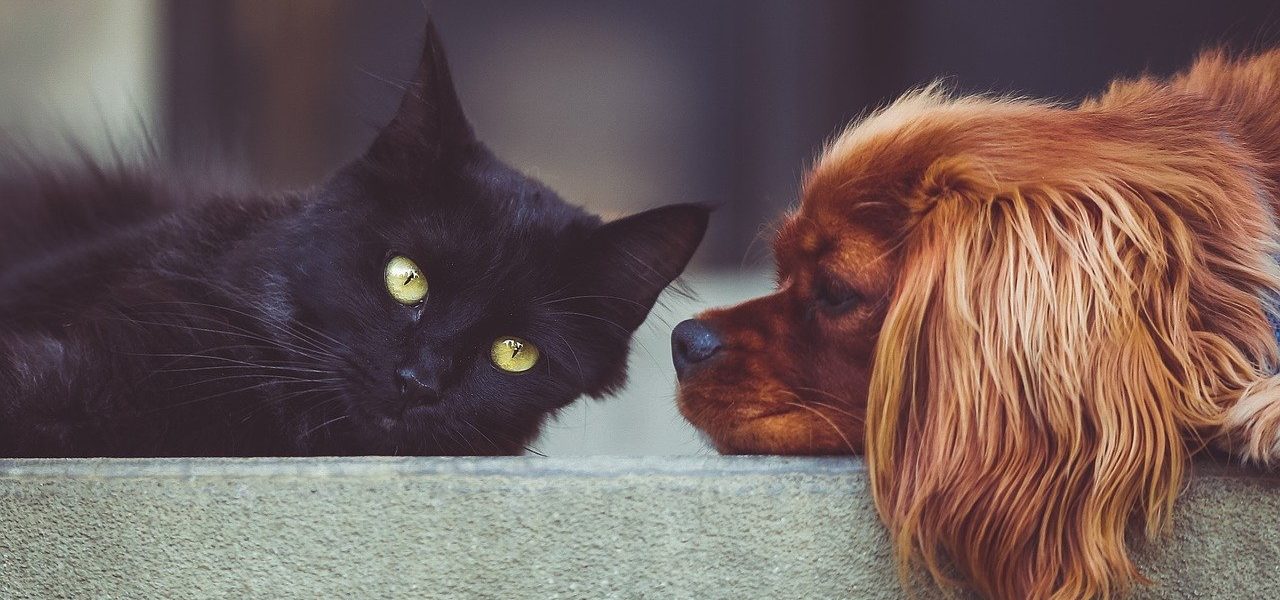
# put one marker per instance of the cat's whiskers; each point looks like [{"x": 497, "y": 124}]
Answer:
[
  {"x": 287, "y": 369},
  {"x": 323, "y": 425},
  {"x": 593, "y": 297},
  {"x": 271, "y": 364},
  {"x": 549, "y": 294},
  {"x": 283, "y": 328},
  {"x": 492, "y": 443},
  {"x": 179, "y": 357},
  {"x": 228, "y": 332},
  {"x": 240, "y": 390},
  {"x": 229, "y": 292},
  {"x": 290, "y": 327},
  {"x": 624, "y": 330},
  {"x": 272, "y": 376},
  {"x": 282, "y": 398},
  {"x": 643, "y": 276},
  {"x": 582, "y": 379}
]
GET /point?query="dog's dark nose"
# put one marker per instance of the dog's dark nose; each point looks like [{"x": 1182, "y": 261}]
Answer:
[
  {"x": 692, "y": 342},
  {"x": 417, "y": 388}
]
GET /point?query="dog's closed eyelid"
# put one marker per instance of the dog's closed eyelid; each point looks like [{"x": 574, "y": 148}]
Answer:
[{"x": 835, "y": 295}]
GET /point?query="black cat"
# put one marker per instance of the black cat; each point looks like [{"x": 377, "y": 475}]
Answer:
[{"x": 427, "y": 299}]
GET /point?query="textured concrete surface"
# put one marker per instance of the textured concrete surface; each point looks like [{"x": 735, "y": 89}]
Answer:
[{"x": 692, "y": 527}]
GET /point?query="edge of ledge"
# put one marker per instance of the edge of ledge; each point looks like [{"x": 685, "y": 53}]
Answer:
[
  {"x": 384, "y": 466},
  {"x": 509, "y": 466}
]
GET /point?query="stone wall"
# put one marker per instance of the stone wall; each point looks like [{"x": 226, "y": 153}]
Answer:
[{"x": 659, "y": 527}]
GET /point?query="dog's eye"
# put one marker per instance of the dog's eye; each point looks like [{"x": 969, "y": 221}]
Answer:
[{"x": 835, "y": 296}]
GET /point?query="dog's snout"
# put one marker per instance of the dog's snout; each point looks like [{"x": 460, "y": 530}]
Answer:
[{"x": 692, "y": 342}]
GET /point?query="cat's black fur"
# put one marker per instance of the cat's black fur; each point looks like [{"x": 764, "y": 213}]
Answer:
[{"x": 139, "y": 320}]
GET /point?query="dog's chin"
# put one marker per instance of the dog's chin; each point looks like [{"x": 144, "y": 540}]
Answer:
[{"x": 746, "y": 421}]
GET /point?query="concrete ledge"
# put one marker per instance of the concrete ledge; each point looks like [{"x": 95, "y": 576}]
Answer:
[{"x": 688, "y": 527}]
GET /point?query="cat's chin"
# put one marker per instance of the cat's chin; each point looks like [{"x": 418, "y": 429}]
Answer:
[{"x": 388, "y": 423}]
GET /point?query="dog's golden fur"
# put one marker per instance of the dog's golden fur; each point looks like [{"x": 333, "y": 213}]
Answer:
[{"x": 1061, "y": 306}]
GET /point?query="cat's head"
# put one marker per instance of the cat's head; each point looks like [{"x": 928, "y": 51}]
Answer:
[{"x": 463, "y": 301}]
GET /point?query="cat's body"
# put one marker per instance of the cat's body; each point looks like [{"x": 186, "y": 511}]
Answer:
[{"x": 139, "y": 318}]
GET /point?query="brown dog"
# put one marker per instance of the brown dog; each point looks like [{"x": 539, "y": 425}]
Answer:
[{"x": 1028, "y": 316}]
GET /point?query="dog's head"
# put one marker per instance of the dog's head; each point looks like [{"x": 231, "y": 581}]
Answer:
[{"x": 1021, "y": 312}]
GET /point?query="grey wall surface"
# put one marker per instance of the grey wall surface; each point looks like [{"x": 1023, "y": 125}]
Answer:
[
  {"x": 77, "y": 70},
  {"x": 689, "y": 527}
]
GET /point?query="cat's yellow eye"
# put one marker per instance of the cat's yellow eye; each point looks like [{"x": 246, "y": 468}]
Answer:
[
  {"x": 513, "y": 355},
  {"x": 405, "y": 281}
]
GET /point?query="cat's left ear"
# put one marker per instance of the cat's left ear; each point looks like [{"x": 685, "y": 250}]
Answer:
[
  {"x": 430, "y": 121},
  {"x": 635, "y": 258}
]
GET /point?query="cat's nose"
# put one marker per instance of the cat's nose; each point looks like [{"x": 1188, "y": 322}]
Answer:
[
  {"x": 418, "y": 387},
  {"x": 692, "y": 342}
]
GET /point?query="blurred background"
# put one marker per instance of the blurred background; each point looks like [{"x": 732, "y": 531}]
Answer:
[{"x": 620, "y": 105}]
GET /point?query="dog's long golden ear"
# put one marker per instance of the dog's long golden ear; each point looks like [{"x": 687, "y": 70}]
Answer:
[{"x": 1047, "y": 352}]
